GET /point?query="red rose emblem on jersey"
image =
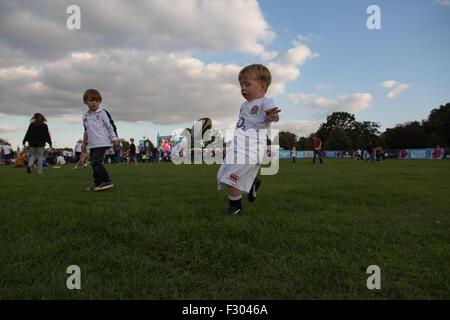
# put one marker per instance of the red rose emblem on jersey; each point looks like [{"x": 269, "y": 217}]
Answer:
[
  {"x": 234, "y": 177},
  {"x": 254, "y": 110}
]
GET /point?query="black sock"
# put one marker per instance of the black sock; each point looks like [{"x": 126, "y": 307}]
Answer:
[{"x": 236, "y": 203}]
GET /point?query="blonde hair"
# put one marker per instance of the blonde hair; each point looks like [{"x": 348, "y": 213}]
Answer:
[{"x": 256, "y": 72}]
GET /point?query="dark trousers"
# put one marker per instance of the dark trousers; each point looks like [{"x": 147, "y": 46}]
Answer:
[
  {"x": 319, "y": 153},
  {"x": 370, "y": 156},
  {"x": 116, "y": 155},
  {"x": 100, "y": 173}
]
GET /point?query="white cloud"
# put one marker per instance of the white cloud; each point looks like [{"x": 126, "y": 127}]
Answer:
[
  {"x": 287, "y": 68},
  {"x": 309, "y": 37},
  {"x": 298, "y": 55},
  {"x": 266, "y": 56},
  {"x": 296, "y": 98},
  {"x": 139, "y": 55},
  {"x": 71, "y": 120},
  {"x": 37, "y": 29},
  {"x": 352, "y": 103},
  {"x": 324, "y": 86},
  {"x": 388, "y": 84},
  {"x": 397, "y": 90},
  {"x": 398, "y": 87},
  {"x": 442, "y": 2},
  {"x": 4, "y": 129},
  {"x": 136, "y": 86}
]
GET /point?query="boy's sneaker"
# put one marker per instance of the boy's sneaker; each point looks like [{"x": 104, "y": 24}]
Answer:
[
  {"x": 104, "y": 186},
  {"x": 254, "y": 189},
  {"x": 231, "y": 211},
  {"x": 92, "y": 188}
]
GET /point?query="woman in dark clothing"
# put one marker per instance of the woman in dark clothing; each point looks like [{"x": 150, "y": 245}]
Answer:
[{"x": 37, "y": 135}]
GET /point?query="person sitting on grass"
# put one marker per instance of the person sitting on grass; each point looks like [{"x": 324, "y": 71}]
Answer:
[{"x": 21, "y": 160}]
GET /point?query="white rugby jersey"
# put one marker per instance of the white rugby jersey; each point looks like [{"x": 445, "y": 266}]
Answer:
[
  {"x": 248, "y": 140},
  {"x": 253, "y": 115},
  {"x": 100, "y": 128}
]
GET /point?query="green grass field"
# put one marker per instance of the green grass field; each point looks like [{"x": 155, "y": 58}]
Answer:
[{"x": 311, "y": 234}]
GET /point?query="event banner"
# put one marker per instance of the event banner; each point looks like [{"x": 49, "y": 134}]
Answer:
[
  {"x": 430, "y": 153},
  {"x": 286, "y": 154},
  {"x": 427, "y": 154}
]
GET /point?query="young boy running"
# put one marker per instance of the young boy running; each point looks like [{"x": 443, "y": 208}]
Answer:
[{"x": 255, "y": 114}]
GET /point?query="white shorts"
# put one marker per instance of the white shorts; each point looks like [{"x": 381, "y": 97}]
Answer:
[{"x": 239, "y": 176}]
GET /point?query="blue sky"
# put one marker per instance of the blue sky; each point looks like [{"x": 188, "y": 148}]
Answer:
[{"x": 339, "y": 60}]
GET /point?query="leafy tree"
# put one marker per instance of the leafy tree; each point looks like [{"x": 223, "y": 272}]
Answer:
[
  {"x": 435, "y": 140},
  {"x": 287, "y": 139},
  {"x": 340, "y": 119},
  {"x": 407, "y": 135},
  {"x": 338, "y": 140},
  {"x": 437, "y": 126},
  {"x": 363, "y": 132}
]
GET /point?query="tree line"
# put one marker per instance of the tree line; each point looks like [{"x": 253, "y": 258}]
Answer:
[{"x": 341, "y": 131}]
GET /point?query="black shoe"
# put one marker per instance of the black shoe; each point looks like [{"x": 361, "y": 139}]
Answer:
[
  {"x": 254, "y": 189},
  {"x": 232, "y": 211}
]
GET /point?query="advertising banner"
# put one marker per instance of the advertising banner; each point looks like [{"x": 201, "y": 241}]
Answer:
[
  {"x": 429, "y": 153},
  {"x": 284, "y": 154}
]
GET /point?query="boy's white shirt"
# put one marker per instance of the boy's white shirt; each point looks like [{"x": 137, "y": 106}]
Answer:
[
  {"x": 6, "y": 149},
  {"x": 99, "y": 129},
  {"x": 78, "y": 147},
  {"x": 252, "y": 116}
]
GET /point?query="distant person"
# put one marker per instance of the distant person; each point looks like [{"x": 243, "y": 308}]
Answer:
[
  {"x": 379, "y": 153},
  {"x": 117, "y": 153},
  {"x": 21, "y": 160},
  {"x": 370, "y": 151},
  {"x": 60, "y": 161},
  {"x": 77, "y": 150},
  {"x": 1, "y": 153},
  {"x": 293, "y": 154},
  {"x": 84, "y": 159},
  {"x": 99, "y": 132},
  {"x": 7, "y": 153},
  {"x": 37, "y": 135},
  {"x": 317, "y": 149},
  {"x": 132, "y": 154},
  {"x": 109, "y": 155},
  {"x": 358, "y": 154}
]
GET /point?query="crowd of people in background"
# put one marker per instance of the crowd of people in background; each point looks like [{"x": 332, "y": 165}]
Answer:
[{"x": 31, "y": 156}]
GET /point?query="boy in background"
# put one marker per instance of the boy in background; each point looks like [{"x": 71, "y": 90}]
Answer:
[{"x": 99, "y": 131}]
